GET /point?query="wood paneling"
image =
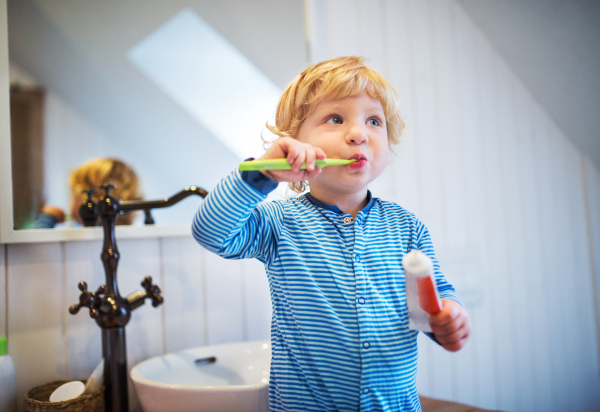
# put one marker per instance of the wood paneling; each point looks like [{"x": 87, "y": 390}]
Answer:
[
  {"x": 82, "y": 263},
  {"x": 36, "y": 315},
  {"x": 184, "y": 293},
  {"x": 140, "y": 258},
  {"x": 224, "y": 307}
]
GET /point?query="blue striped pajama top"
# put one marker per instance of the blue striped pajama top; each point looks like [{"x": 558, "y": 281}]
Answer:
[{"x": 339, "y": 332}]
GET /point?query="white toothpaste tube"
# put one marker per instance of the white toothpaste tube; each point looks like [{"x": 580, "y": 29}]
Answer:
[{"x": 422, "y": 297}]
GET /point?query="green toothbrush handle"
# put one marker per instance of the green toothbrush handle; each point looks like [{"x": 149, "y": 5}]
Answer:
[{"x": 282, "y": 164}]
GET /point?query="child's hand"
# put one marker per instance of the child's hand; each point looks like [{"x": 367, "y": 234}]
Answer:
[
  {"x": 296, "y": 153},
  {"x": 452, "y": 326}
]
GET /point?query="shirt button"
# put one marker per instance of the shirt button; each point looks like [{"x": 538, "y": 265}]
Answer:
[
  {"x": 357, "y": 258},
  {"x": 366, "y": 344},
  {"x": 347, "y": 220},
  {"x": 366, "y": 390},
  {"x": 361, "y": 301}
]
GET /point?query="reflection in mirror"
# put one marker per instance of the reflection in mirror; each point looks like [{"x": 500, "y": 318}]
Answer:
[{"x": 179, "y": 90}]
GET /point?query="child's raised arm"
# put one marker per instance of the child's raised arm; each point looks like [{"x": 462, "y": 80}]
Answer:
[{"x": 230, "y": 224}]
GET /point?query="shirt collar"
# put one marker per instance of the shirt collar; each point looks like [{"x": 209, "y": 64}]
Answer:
[{"x": 336, "y": 209}]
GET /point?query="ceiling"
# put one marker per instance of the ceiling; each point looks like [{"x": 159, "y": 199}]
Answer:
[{"x": 553, "y": 46}]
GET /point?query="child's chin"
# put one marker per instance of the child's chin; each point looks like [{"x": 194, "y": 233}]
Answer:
[{"x": 357, "y": 181}]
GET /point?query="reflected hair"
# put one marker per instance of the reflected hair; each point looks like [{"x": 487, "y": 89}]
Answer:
[
  {"x": 335, "y": 79},
  {"x": 95, "y": 172}
]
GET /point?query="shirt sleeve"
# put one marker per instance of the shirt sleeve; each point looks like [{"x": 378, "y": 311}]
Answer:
[
  {"x": 230, "y": 224},
  {"x": 258, "y": 181},
  {"x": 43, "y": 221},
  {"x": 425, "y": 245}
]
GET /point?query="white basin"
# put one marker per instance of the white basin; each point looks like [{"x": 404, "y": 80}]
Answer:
[{"x": 238, "y": 380}]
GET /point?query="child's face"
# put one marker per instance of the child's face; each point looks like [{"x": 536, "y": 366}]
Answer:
[{"x": 348, "y": 128}]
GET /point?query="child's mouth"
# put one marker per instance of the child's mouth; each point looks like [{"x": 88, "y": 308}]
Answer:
[{"x": 361, "y": 162}]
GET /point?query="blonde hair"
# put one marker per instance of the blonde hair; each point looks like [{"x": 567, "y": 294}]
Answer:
[
  {"x": 95, "y": 172},
  {"x": 335, "y": 79}
]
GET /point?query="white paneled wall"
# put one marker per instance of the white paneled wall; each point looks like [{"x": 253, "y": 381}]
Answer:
[
  {"x": 513, "y": 208},
  {"x": 208, "y": 300},
  {"x": 503, "y": 193},
  {"x": 37, "y": 339},
  {"x": 182, "y": 269}
]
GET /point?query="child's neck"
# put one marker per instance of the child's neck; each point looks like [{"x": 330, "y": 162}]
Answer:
[{"x": 351, "y": 203}]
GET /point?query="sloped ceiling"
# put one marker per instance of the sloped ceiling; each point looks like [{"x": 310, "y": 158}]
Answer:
[{"x": 553, "y": 46}]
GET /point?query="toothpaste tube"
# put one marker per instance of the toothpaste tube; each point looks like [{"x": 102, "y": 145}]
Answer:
[{"x": 422, "y": 297}]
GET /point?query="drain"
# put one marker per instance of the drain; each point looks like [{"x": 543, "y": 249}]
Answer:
[{"x": 205, "y": 361}]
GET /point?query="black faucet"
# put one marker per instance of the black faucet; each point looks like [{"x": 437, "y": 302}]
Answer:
[{"x": 110, "y": 310}]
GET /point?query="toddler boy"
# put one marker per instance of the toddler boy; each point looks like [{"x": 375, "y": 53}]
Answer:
[{"x": 333, "y": 256}]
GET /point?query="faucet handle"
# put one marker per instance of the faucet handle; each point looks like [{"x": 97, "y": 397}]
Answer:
[
  {"x": 152, "y": 291},
  {"x": 88, "y": 299},
  {"x": 136, "y": 299},
  {"x": 88, "y": 210},
  {"x": 148, "y": 220},
  {"x": 89, "y": 192},
  {"x": 107, "y": 187}
]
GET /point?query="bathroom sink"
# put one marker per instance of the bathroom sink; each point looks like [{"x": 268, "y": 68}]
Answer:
[{"x": 227, "y": 377}]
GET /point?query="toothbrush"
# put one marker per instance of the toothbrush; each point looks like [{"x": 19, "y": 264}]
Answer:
[{"x": 282, "y": 164}]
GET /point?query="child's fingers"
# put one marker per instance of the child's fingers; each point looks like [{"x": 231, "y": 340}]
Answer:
[
  {"x": 454, "y": 336},
  {"x": 452, "y": 329},
  {"x": 290, "y": 148},
  {"x": 299, "y": 160},
  {"x": 450, "y": 311},
  {"x": 311, "y": 156},
  {"x": 456, "y": 340},
  {"x": 294, "y": 152},
  {"x": 297, "y": 154},
  {"x": 455, "y": 346},
  {"x": 320, "y": 153}
]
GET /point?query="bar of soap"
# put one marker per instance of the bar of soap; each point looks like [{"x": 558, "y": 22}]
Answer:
[{"x": 67, "y": 391}]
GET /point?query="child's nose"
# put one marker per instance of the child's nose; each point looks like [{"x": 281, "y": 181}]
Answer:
[{"x": 356, "y": 135}]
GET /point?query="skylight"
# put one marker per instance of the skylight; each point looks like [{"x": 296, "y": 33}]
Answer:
[{"x": 215, "y": 83}]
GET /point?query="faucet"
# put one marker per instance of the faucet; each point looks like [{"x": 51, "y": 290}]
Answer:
[{"x": 106, "y": 306}]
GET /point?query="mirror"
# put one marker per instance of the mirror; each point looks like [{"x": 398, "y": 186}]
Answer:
[{"x": 160, "y": 85}]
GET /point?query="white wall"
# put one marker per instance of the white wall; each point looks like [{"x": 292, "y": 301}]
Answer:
[
  {"x": 513, "y": 209},
  {"x": 502, "y": 192}
]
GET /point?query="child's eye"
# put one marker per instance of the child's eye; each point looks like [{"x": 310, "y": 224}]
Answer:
[
  {"x": 334, "y": 120},
  {"x": 373, "y": 122}
]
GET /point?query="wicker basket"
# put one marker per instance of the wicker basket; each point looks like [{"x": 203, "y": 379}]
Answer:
[{"x": 36, "y": 400}]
